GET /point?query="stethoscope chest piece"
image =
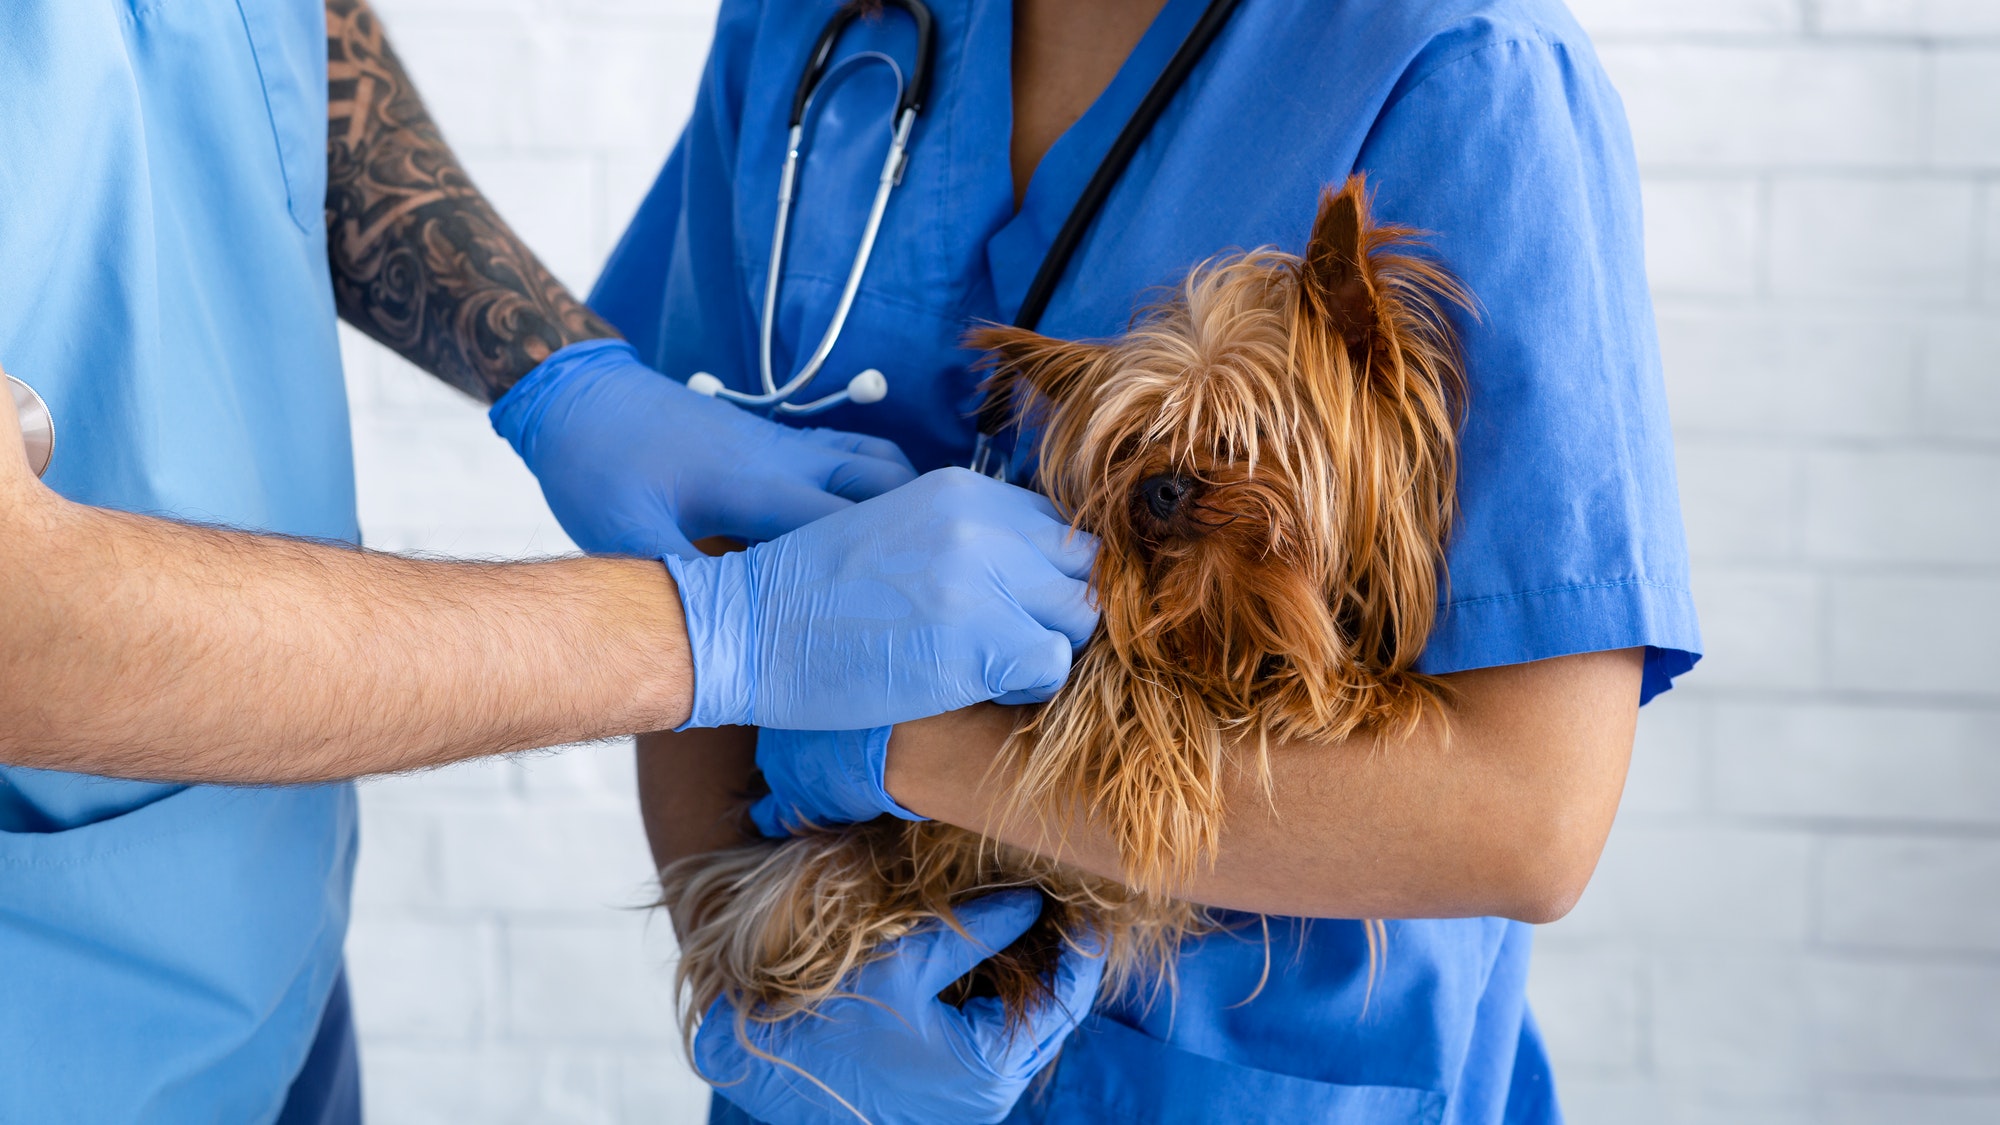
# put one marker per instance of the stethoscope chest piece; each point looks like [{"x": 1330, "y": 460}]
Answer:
[{"x": 38, "y": 426}]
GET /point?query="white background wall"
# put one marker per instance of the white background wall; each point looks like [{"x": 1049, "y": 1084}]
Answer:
[{"x": 1798, "y": 917}]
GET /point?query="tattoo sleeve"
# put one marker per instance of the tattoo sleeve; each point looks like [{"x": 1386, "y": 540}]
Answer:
[{"x": 420, "y": 260}]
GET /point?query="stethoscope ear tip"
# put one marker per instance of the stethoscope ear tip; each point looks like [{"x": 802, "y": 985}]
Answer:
[{"x": 869, "y": 386}]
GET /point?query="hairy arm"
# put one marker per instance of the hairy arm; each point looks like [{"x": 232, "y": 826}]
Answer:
[
  {"x": 139, "y": 647},
  {"x": 420, "y": 260},
  {"x": 1500, "y": 809}
]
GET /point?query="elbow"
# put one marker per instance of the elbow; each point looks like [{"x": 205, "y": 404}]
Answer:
[
  {"x": 1544, "y": 874},
  {"x": 1549, "y": 900}
]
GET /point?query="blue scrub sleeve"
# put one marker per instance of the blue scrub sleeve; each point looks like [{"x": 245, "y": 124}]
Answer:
[{"x": 1514, "y": 156}]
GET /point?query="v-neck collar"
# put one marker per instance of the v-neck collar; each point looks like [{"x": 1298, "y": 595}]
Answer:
[{"x": 1014, "y": 252}]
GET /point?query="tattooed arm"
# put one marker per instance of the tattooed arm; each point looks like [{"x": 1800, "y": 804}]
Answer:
[{"x": 420, "y": 260}]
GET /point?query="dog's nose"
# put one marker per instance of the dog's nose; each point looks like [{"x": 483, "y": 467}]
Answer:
[{"x": 1165, "y": 494}]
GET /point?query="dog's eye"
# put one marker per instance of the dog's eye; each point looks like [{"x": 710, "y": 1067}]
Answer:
[{"x": 1163, "y": 495}]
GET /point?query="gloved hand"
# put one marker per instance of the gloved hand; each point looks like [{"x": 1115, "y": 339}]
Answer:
[
  {"x": 954, "y": 590},
  {"x": 894, "y": 1051},
  {"x": 822, "y": 777},
  {"x": 634, "y": 463}
]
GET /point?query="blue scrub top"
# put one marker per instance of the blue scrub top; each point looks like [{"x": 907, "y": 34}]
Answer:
[
  {"x": 1486, "y": 122},
  {"x": 166, "y": 952}
]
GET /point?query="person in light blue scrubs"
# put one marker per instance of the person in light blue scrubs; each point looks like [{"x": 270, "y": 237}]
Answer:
[
  {"x": 1488, "y": 124},
  {"x": 192, "y": 191}
]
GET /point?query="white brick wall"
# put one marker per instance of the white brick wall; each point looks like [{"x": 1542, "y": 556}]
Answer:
[{"x": 1795, "y": 920}]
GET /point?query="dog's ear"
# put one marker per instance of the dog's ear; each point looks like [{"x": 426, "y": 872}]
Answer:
[
  {"x": 1337, "y": 280},
  {"x": 1382, "y": 355},
  {"x": 1057, "y": 370}
]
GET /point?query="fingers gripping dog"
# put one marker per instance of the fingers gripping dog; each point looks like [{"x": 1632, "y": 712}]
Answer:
[{"x": 1269, "y": 457}]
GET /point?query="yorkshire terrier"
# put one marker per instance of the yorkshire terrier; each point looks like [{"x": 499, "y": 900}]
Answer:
[{"x": 1269, "y": 459}]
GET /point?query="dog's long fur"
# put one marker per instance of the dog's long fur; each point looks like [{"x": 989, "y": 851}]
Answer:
[{"x": 1269, "y": 458}]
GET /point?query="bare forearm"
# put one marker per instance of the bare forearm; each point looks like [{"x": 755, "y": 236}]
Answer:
[
  {"x": 141, "y": 648},
  {"x": 420, "y": 260},
  {"x": 1503, "y": 813},
  {"x": 692, "y": 788}
]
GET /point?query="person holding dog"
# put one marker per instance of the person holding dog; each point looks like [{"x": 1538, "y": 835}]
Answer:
[
  {"x": 1486, "y": 124},
  {"x": 188, "y": 630}
]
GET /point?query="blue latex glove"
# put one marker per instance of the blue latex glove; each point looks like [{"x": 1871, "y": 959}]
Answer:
[
  {"x": 895, "y": 1052},
  {"x": 634, "y": 463},
  {"x": 950, "y": 591},
  {"x": 822, "y": 777}
]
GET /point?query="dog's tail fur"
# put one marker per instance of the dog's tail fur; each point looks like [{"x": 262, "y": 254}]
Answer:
[{"x": 775, "y": 926}]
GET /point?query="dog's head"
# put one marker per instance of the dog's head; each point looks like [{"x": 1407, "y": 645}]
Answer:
[{"x": 1269, "y": 458}]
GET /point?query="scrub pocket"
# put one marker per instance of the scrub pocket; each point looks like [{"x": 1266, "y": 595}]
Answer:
[
  {"x": 1110, "y": 1073},
  {"x": 288, "y": 41},
  {"x": 171, "y": 963}
]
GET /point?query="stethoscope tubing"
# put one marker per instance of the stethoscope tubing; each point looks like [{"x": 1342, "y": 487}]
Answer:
[
  {"x": 818, "y": 74},
  {"x": 813, "y": 74},
  {"x": 869, "y": 386},
  {"x": 996, "y": 410},
  {"x": 891, "y": 176}
]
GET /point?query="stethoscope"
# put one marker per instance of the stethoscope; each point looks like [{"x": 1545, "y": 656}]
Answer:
[
  {"x": 870, "y": 385},
  {"x": 38, "y": 426}
]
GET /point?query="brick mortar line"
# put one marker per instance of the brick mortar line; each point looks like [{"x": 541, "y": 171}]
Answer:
[
  {"x": 1958, "y": 703},
  {"x": 1806, "y": 444},
  {"x": 1855, "y": 42},
  {"x": 1814, "y": 828},
  {"x": 1975, "y": 174},
  {"x": 1850, "y": 568}
]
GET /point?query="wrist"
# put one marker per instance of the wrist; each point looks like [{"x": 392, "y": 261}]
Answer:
[
  {"x": 518, "y": 415},
  {"x": 719, "y": 605},
  {"x": 872, "y": 760},
  {"x": 937, "y": 767},
  {"x": 649, "y": 607}
]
